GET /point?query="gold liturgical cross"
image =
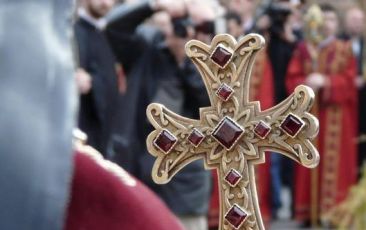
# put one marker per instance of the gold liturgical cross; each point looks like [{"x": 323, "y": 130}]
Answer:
[{"x": 233, "y": 133}]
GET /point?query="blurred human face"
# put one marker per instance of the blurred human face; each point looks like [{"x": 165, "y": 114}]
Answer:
[
  {"x": 242, "y": 7},
  {"x": 201, "y": 14},
  {"x": 330, "y": 26},
  {"x": 234, "y": 28},
  {"x": 354, "y": 22},
  {"x": 99, "y": 8},
  {"x": 163, "y": 22}
]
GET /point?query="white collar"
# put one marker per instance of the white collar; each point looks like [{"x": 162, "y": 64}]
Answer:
[{"x": 97, "y": 23}]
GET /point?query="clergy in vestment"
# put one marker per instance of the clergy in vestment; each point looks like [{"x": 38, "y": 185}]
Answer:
[{"x": 328, "y": 67}]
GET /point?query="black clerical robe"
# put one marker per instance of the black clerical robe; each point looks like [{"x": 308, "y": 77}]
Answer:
[{"x": 96, "y": 107}]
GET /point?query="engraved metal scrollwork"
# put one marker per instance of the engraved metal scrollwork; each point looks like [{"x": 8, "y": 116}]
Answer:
[{"x": 233, "y": 133}]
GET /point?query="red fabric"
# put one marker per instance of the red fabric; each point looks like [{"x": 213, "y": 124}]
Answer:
[
  {"x": 121, "y": 78},
  {"x": 261, "y": 89},
  {"x": 266, "y": 87},
  {"x": 265, "y": 94},
  {"x": 101, "y": 200},
  {"x": 337, "y": 151},
  {"x": 214, "y": 211}
]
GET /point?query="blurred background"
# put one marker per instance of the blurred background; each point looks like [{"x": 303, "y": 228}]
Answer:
[{"x": 128, "y": 54}]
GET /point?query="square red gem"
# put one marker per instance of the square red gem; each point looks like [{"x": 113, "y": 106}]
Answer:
[
  {"x": 165, "y": 141},
  {"x": 236, "y": 216},
  {"x": 221, "y": 56},
  {"x": 227, "y": 132},
  {"x": 262, "y": 129},
  {"x": 233, "y": 177},
  {"x": 292, "y": 125},
  {"x": 196, "y": 137},
  {"x": 224, "y": 92}
]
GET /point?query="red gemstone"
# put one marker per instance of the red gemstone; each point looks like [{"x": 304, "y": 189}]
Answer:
[
  {"x": 221, "y": 56},
  {"x": 233, "y": 177},
  {"x": 292, "y": 125},
  {"x": 224, "y": 92},
  {"x": 262, "y": 129},
  {"x": 165, "y": 141},
  {"x": 196, "y": 137},
  {"x": 236, "y": 216},
  {"x": 227, "y": 132}
]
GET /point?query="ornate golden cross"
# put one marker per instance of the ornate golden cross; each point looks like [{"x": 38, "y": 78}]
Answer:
[{"x": 233, "y": 133}]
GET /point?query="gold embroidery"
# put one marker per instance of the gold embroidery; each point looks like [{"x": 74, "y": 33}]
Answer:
[{"x": 331, "y": 150}]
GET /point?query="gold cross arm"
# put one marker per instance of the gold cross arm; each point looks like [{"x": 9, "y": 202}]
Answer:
[{"x": 233, "y": 133}]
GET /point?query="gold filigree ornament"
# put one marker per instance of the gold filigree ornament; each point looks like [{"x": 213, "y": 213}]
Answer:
[{"x": 233, "y": 133}]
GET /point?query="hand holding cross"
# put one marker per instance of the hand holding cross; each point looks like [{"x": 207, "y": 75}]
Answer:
[{"x": 233, "y": 133}]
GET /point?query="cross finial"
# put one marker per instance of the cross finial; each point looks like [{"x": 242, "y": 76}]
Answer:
[{"x": 233, "y": 133}]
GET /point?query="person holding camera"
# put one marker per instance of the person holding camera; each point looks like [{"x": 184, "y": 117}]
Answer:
[{"x": 157, "y": 70}]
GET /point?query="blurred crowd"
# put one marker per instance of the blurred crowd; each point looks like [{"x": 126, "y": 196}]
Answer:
[{"x": 131, "y": 53}]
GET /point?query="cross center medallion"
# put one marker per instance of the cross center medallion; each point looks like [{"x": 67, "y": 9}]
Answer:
[{"x": 233, "y": 133}]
